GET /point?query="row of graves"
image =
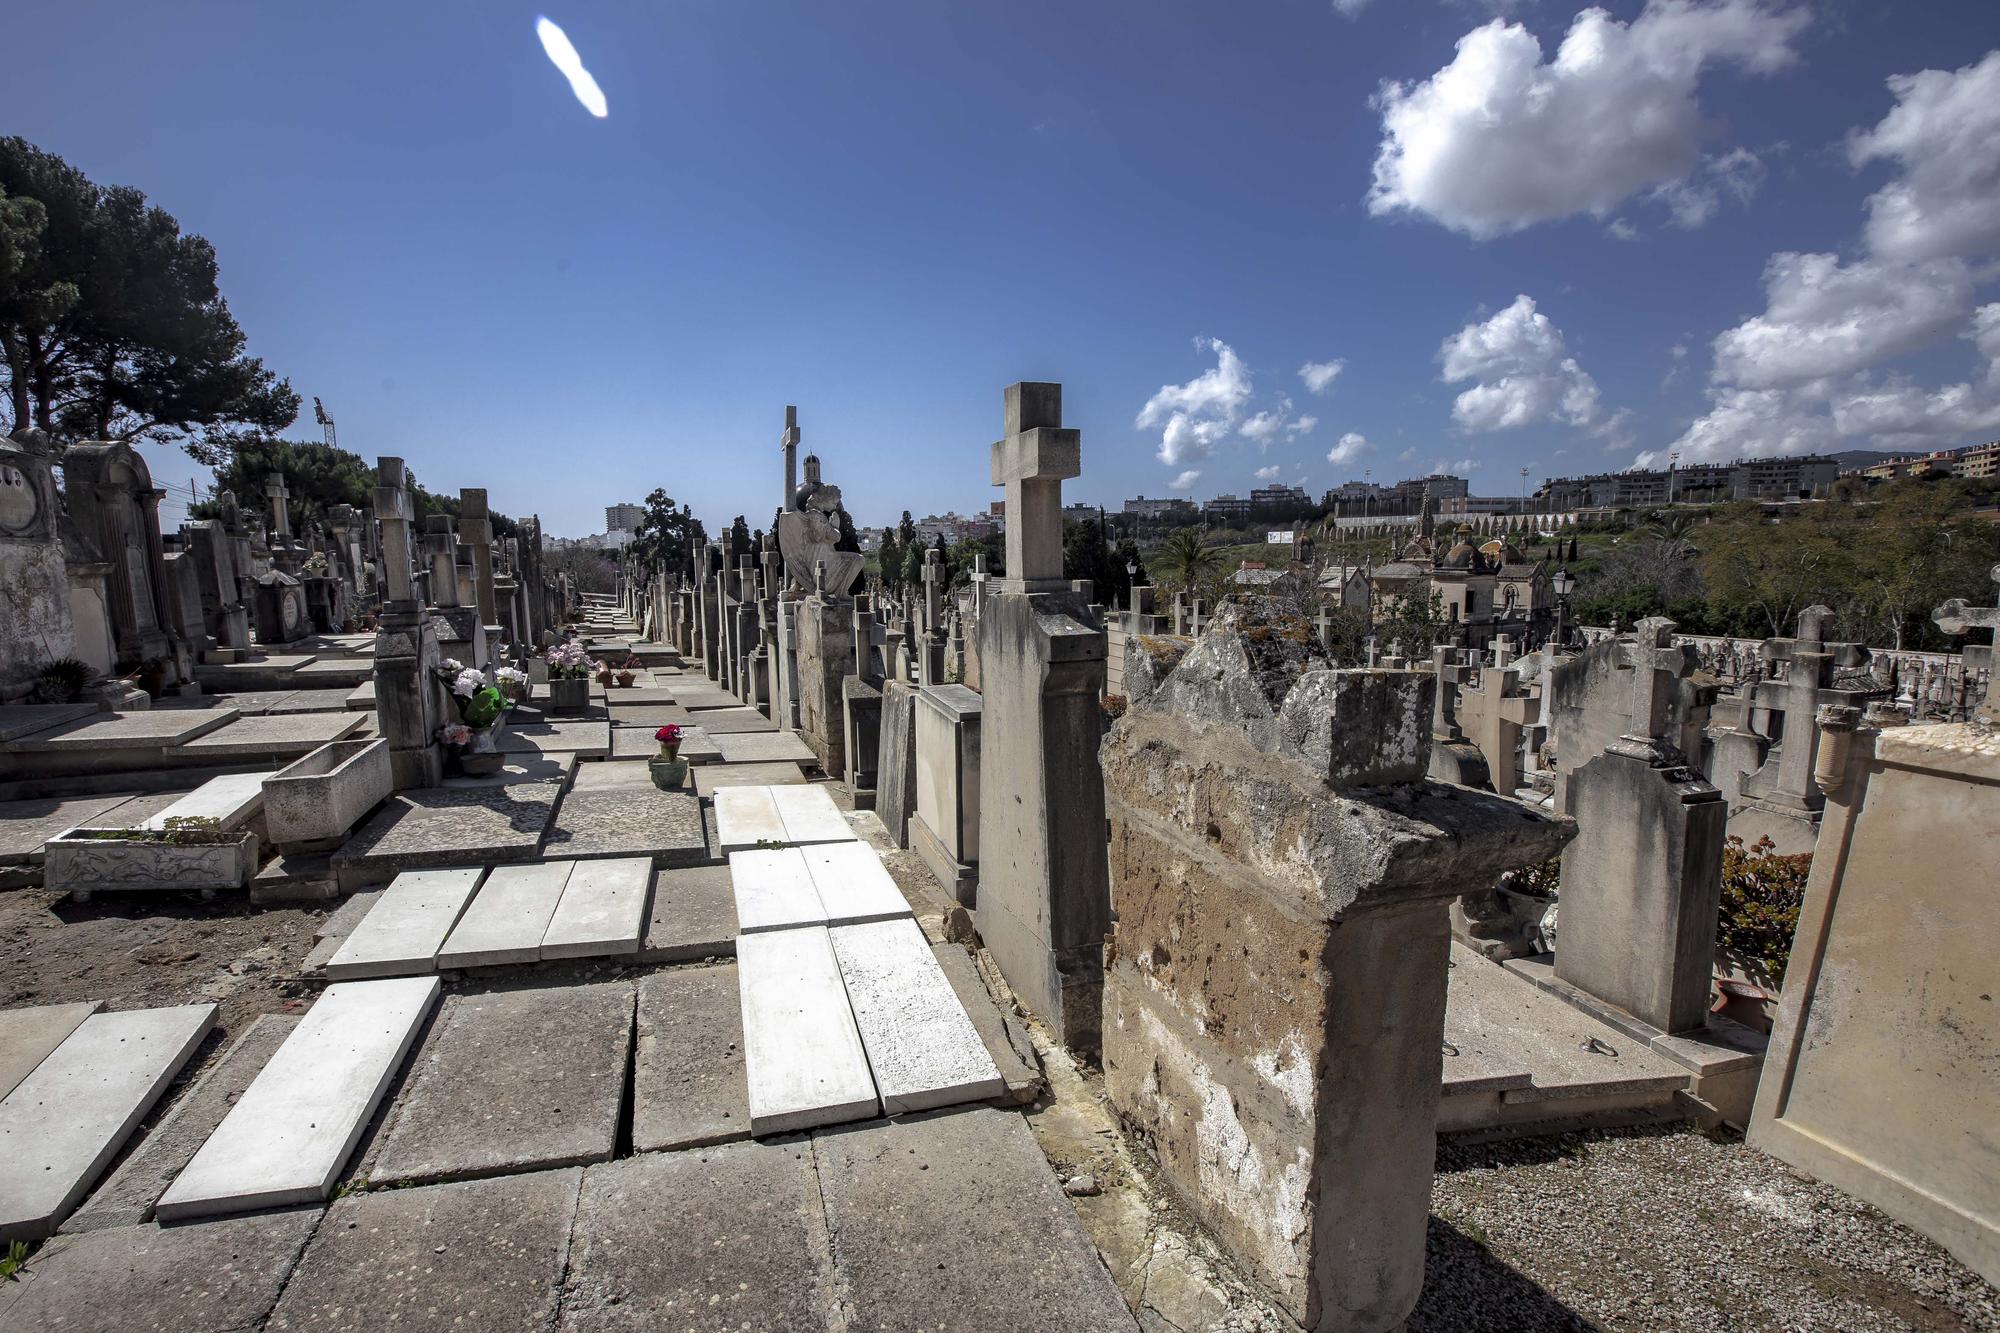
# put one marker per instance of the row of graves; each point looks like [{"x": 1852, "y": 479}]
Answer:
[
  {"x": 608, "y": 975},
  {"x": 1324, "y": 925}
]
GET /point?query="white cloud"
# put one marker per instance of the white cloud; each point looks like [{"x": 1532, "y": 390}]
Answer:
[
  {"x": 1350, "y": 447},
  {"x": 1456, "y": 465},
  {"x": 1349, "y": 8},
  {"x": 1498, "y": 140},
  {"x": 1985, "y": 336},
  {"x": 1185, "y": 481},
  {"x": 1268, "y": 473},
  {"x": 1944, "y": 135},
  {"x": 1319, "y": 376},
  {"x": 1828, "y": 318},
  {"x": 1303, "y": 426},
  {"x": 1268, "y": 425},
  {"x": 1734, "y": 176},
  {"x": 1525, "y": 374},
  {"x": 1195, "y": 417},
  {"x": 1621, "y": 230}
]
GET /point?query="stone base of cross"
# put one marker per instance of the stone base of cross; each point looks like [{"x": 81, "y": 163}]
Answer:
[{"x": 1034, "y": 459}]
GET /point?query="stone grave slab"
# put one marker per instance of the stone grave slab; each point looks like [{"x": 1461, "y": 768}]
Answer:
[
  {"x": 810, "y": 815},
  {"x": 693, "y": 917},
  {"x": 917, "y": 1196},
  {"x": 774, "y": 890},
  {"x": 128, "y": 1196},
  {"x": 250, "y": 703},
  {"x": 608, "y": 774},
  {"x": 853, "y": 884},
  {"x": 403, "y": 931},
  {"x": 506, "y": 919},
  {"x": 515, "y": 1080},
  {"x": 645, "y": 1252},
  {"x": 217, "y": 1275},
  {"x": 26, "y": 825},
  {"x": 516, "y": 768},
  {"x": 704, "y": 697},
  {"x": 444, "y": 826},
  {"x": 733, "y": 721},
  {"x": 63, "y": 1123},
  {"x": 764, "y": 748},
  {"x": 644, "y": 696},
  {"x": 150, "y": 730},
  {"x": 28, "y": 1036},
  {"x": 327, "y": 672},
  {"x": 646, "y": 715},
  {"x": 321, "y": 701},
  {"x": 711, "y": 778},
  {"x": 361, "y": 699},
  {"x": 232, "y": 800},
  {"x": 630, "y": 821},
  {"x": 474, "y": 1255},
  {"x": 746, "y": 818},
  {"x": 689, "y": 1088},
  {"x": 342, "y": 920},
  {"x": 802, "y": 1055},
  {"x": 638, "y": 743},
  {"x": 18, "y": 720},
  {"x": 602, "y": 912},
  {"x": 922, "y": 1047},
  {"x": 1006, "y": 1039},
  {"x": 287, "y": 1137},
  {"x": 289, "y": 735},
  {"x": 585, "y": 740}
]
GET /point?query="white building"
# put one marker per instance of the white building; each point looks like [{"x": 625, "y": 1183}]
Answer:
[{"x": 623, "y": 518}]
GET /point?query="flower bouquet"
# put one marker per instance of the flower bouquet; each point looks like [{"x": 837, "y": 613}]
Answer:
[
  {"x": 472, "y": 739},
  {"x": 570, "y": 669},
  {"x": 513, "y": 683},
  {"x": 668, "y": 769}
]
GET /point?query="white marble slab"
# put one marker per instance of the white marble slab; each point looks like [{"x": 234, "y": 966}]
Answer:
[
  {"x": 602, "y": 910},
  {"x": 802, "y": 1055},
  {"x": 774, "y": 890},
  {"x": 287, "y": 1138},
  {"x": 853, "y": 883},
  {"x": 28, "y": 1035},
  {"x": 745, "y": 817},
  {"x": 922, "y": 1048},
  {"x": 508, "y": 917},
  {"x": 810, "y": 815},
  {"x": 402, "y": 933},
  {"x": 63, "y": 1123},
  {"x": 231, "y": 800}
]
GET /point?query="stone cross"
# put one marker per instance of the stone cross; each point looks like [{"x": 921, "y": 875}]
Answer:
[
  {"x": 1797, "y": 698},
  {"x": 1657, "y": 669},
  {"x": 791, "y": 447},
  {"x": 1194, "y": 620},
  {"x": 979, "y": 577},
  {"x": 393, "y": 511},
  {"x": 1032, "y": 462},
  {"x": 1960, "y": 617},
  {"x": 819, "y": 578},
  {"x": 1323, "y": 627},
  {"x": 274, "y": 488},
  {"x": 1503, "y": 651},
  {"x": 1374, "y": 653},
  {"x": 1450, "y": 675},
  {"x": 933, "y": 574},
  {"x": 475, "y": 529}
]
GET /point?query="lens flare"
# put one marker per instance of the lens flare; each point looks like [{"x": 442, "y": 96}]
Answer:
[{"x": 564, "y": 57}]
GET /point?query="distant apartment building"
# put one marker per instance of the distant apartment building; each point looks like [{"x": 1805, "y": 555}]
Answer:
[
  {"x": 1226, "y": 509},
  {"x": 1977, "y": 461},
  {"x": 1796, "y": 478},
  {"x": 1279, "y": 497},
  {"x": 1142, "y": 507},
  {"x": 955, "y": 528},
  {"x": 623, "y": 517},
  {"x": 1079, "y": 513}
]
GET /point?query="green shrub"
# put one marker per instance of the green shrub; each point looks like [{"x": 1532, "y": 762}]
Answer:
[{"x": 1761, "y": 894}]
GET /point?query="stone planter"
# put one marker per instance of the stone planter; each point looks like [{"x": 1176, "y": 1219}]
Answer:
[
  {"x": 569, "y": 694},
  {"x": 311, "y": 805},
  {"x": 137, "y": 864},
  {"x": 668, "y": 774},
  {"x": 480, "y": 757}
]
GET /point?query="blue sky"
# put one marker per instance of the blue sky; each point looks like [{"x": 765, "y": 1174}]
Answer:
[{"x": 884, "y": 213}]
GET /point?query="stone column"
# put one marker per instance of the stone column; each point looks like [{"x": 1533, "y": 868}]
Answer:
[
  {"x": 825, "y": 660},
  {"x": 1274, "y": 1005},
  {"x": 1043, "y": 901},
  {"x": 475, "y": 529},
  {"x": 409, "y": 700},
  {"x": 441, "y": 551},
  {"x": 747, "y": 626},
  {"x": 1641, "y": 883}
]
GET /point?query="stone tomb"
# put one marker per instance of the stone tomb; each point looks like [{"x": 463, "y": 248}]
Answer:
[{"x": 945, "y": 828}]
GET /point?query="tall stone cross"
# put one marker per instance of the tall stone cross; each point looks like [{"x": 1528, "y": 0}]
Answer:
[
  {"x": 1657, "y": 669},
  {"x": 1032, "y": 462},
  {"x": 475, "y": 530},
  {"x": 791, "y": 447},
  {"x": 1811, "y": 662},
  {"x": 1450, "y": 675},
  {"x": 1373, "y": 651},
  {"x": 979, "y": 577},
  {"x": 281, "y": 524},
  {"x": 394, "y": 512},
  {"x": 1958, "y": 616},
  {"x": 933, "y": 576}
]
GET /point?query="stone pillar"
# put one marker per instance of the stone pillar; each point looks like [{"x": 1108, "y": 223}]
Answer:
[
  {"x": 945, "y": 827},
  {"x": 896, "y": 760},
  {"x": 862, "y": 703},
  {"x": 746, "y": 638},
  {"x": 1641, "y": 883},
  {"x": 1274, "y": 1005},
  {"x": 409, "y": 699},
  {"x": 1043, "y": 901},
  {"x": 475, "y": 529},
  {"x": 441, "y": 553},
  {"x": 826, "y": 659}
]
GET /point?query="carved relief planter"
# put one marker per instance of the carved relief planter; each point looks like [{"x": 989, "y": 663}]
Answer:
[
  {"x": 569, "y": 694},
  {"x": 135, "y": 863}
]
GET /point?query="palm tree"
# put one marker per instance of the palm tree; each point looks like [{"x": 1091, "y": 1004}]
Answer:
[{"x": 1190, "y": 561}]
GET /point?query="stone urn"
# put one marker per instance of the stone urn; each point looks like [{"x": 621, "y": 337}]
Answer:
[
  {"x": 569, "y": 694},
  {"x": 669, "y": 770}
]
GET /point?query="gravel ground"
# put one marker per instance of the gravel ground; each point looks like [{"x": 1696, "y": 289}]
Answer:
[{"x": 1672, "y": 1229}]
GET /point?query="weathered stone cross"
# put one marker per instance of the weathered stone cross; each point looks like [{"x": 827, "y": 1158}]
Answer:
[
  {"x": 1032, "y": 462},
  {"x": 393, "y": 511},
  {"x": 1657, "y": 670},
  {"x": 1958, "y": 616},
  {"x": 1450, "y": 675},
  {"x": 933, "y": 576},
  {"x": 274, "y": 487},
  {"x": 1798, "y": 697}
]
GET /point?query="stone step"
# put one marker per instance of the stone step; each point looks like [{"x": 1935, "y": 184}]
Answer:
[
  {"x": 62, "y": 1125},
  {"x": 746, "y": 817},
  {"x": 232, "y": 800},
  {"x": 27, "y": 1036},
  {"x": 853, "y": 884},
  {"x": 774, "y": 890},
  {"x": 810, "y": 815},
  {"x": 288, "y": 1137},
  {"x": 802, "y": 1054},
  {"x": 922, "y": 1047},
  {"x": 602, "y": 910},
  {"x": 402, "y": 933},
  {"x": 508, "y": 917}
]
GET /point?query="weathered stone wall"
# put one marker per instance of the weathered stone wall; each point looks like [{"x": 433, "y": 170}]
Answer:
[{"x": 825, "y": 660}]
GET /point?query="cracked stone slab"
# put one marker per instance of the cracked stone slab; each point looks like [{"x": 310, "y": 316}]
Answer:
[
  {"x": 275, "y": 735},
  {"x": 150, "y": 730},
  {"x": 693, "y": 917},
  {"x": 472, "y": 1255},
  {"x": 630, "y": 821},
  {"x": 407, "y": 925},
  {"x": 602, "y": 912},
  {"x": 517, "y": 1080},
  {"x": 716, "y": 1238},
  {"x": 959, "y": 1211},
  {"x": 217, "y": 1275},
  {"x": 441, "y": 826},
  {"x": 689, "y": 1087},
  {"x": 506, "y": 919}
]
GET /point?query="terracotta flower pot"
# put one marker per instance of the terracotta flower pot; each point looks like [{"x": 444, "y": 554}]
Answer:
[{"x": 625, "y": 679}]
